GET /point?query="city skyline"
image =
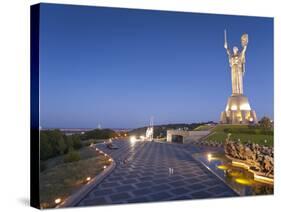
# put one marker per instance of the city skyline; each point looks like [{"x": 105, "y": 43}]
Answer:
[{"x": 98, "y": 66}]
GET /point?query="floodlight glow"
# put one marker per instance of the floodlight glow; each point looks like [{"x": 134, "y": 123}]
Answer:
[
  {"x": 234, "y": 107},
  {"x": 209, "y": 156},
  {"x": 133, "y": 139},
  {"x": 222, "y": 167},
  {"x": 245, "y": 106},
  {"x": 58, "y": 200},
  {"x": 244, "y": 181}
]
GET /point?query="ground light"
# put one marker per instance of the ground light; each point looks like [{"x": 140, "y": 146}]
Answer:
[
  {"x": 58, "y": 200},
  {"x": 104, "y": 167},
  {"x": 133, "y": 139},
  {"x": 88, "y": 179},
  {"x": 209, "y": 156},
  {"x": 222, "y": 167},
  {"x": 244, "y": 181}
]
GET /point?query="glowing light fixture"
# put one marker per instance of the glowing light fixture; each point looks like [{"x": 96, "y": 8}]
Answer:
[
  {"x": 234, "y": 107},
  {"x": 222, "y": 167},
  {"x": 58, "y": 200},
  {"x": 245, "y": 106},
  {"x": 244, "y": 181},
  {"x": 209, "y": 156},
  {"x": 133, "y": 139},
  {"x": 88, "y": 179},
  {"x": 104, "y": 167}
]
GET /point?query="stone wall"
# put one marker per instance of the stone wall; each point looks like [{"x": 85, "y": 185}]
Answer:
[{"x": 187, "y": 135}]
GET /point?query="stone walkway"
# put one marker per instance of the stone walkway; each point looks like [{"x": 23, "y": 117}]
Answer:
[{"x": 145, "y": 176}]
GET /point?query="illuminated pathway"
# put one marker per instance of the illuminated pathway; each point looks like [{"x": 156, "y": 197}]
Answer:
[{"x": 145, "y": 177}]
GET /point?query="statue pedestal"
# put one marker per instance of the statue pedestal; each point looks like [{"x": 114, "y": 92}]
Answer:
[{"x": 238, "y": 111}]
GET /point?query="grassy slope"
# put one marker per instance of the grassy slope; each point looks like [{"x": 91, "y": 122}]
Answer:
[
  {"x": 60, "y": 179},
  {"x": 219, "y": 135},
  {"x": 203, "y": 127}
]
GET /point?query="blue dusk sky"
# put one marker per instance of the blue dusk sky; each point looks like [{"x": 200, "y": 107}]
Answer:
[{"x": 118, "y": 67}]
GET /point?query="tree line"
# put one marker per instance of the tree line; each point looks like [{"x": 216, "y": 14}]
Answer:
[{"x": 54, "y": 142}]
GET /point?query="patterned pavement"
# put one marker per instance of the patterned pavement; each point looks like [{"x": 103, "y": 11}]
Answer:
[{"x": 142, "y": 175}]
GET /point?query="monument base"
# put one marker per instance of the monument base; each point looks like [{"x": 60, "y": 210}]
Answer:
[{"x": 238, "y": 111}]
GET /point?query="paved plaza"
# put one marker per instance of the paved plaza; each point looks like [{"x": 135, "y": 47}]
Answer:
[{"x": 154, "y": 171}]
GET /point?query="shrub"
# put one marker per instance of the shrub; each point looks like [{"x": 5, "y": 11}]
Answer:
[
  {"x": 61, "y": 146},
  {"x": 46, "y": 150},
  {"x": 76, "y": 142},
  {"x": 266, "y": 123},
  {"x": 72, "y": 156},
  {"x": 69, "y": 143}
]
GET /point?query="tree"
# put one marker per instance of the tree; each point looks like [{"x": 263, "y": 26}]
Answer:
[
  {"x": 57, "y": 141},
  {"x": 76, "y": 142},
  {"x": 46, "y": 150},
  {"x": 99, "y": 134},
  {"x": 266, "y": 123},
  {"x": 61, "y": 146},
  {"x": 69, "y": 143}
]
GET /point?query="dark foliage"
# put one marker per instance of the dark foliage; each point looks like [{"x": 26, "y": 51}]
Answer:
[
  {"x": 99, "y": 134},
  {"x": 54, "y": 143},
  {"x": 72, "y": 156}
]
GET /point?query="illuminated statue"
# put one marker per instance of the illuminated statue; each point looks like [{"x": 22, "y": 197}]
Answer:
[
  {"x": 237, "y": 64},
  {"x": 238, "y": 110}
]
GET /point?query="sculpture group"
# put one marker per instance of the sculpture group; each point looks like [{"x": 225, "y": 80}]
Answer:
[{"x": 259, "y": 158}]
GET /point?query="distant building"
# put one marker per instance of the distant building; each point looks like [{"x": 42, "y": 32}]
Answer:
[{"x": 149, "y": 131}]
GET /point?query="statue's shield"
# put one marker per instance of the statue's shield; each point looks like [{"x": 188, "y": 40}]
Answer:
[{"x": 244, "y": 40}]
